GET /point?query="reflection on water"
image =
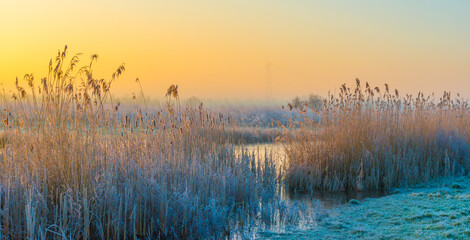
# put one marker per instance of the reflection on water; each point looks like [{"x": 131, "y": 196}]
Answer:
[
  {"x": 331, "y": 200},
  {"x": 260, "y": 150},
  {"x": 278, "y": 154}
]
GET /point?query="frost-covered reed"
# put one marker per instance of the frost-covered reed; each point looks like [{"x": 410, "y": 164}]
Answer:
[
  {"x": 371, "y": 139},
  {"x": 73, "y": 165}
]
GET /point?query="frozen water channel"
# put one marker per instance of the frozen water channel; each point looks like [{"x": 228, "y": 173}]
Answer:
[{"x": 329, "y": 200}]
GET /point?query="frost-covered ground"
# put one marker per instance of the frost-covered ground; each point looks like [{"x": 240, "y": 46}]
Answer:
[{"x": 437, "y": 210}]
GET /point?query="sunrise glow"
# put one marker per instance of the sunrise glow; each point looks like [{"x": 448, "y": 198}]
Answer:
[{"x": 220, "y": 49}]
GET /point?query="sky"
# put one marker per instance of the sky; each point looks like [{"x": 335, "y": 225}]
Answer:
[{"x": 221, "y": 49}]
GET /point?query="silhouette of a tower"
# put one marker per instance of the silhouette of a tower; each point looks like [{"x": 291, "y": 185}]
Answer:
[{"x": 268, "y": 81}]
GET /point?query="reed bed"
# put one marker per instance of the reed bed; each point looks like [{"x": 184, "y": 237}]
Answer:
[
  {"x": 373, "y": 139},
  {"x": 73, "y": 165}
]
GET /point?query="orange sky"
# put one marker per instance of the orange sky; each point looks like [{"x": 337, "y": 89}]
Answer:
[{"x": 219, "y": 50}]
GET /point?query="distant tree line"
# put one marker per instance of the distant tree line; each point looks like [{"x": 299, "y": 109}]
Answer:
[{"x": 312, "y": 102}]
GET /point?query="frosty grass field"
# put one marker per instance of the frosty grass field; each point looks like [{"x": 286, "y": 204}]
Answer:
[{"x": 436, "y": 210}]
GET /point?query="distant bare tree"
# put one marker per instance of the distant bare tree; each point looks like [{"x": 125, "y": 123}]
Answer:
[{"x": 315, "y": 102}]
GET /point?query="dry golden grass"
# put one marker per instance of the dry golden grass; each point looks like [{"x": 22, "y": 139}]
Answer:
[
  {"x": 73, "y": 165},
  {"x": 371, "y": 140}
]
